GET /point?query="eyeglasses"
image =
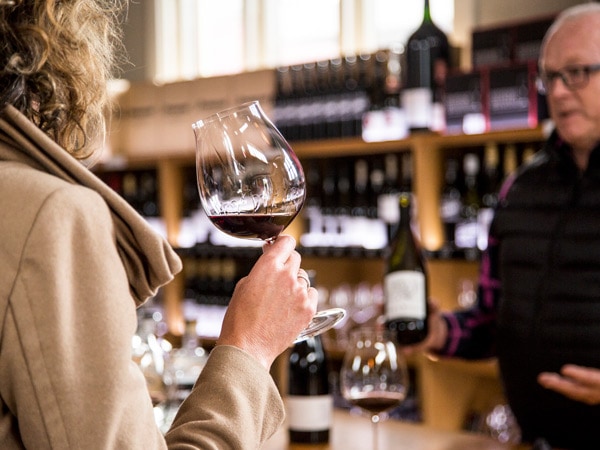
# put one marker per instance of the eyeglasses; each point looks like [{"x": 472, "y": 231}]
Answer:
[{"x": 573, "y": 77}]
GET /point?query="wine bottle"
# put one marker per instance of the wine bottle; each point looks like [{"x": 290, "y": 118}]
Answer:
[
  {"x": 467, "y": 228},
  {"x": 309, "y": 402},
  {"x": 450, "y": 203},
  {"x": 405, "y": 283},
  {"x": 185, "y": 364},
  {"x": 148, "y": 354},
  {"x": 490, "y": 185},
  {"x": 427, "y": 62},
  {"x": 387, "y": 202}
]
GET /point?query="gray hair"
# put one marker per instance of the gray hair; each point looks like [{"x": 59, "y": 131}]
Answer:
[{"x": 573, "y": 13}]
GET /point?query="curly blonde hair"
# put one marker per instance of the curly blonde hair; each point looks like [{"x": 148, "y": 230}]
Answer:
[{"x": 56, "y": 57}]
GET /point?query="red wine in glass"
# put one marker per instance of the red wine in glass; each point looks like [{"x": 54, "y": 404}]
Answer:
[
  {"x": 377, "y": 402},
  {"x": 253, "y": 226}
]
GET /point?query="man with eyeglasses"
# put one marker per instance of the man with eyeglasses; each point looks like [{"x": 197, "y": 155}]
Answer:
[{"x": 538, "y": 307}]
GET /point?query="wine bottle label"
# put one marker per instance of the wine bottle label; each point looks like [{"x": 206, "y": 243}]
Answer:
[
  {"x": 418, "y": 107},
  {"x": 405, "y": 295},
  {"x": 309, "y": 412}
]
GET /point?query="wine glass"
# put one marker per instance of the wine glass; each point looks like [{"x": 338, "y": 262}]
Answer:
[
  {"x": 374, "y": 376},
  {"x": 251, "y": 182}
]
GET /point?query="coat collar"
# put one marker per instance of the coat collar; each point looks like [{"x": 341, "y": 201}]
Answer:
[{"x": 149, "y": 260}]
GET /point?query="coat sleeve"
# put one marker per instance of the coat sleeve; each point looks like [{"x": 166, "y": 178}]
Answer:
[
  {"x": 71, "y": 318},
  {"x": 246, "y": 408}
]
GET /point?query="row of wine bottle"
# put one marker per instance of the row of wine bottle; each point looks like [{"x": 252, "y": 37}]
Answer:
[
  {"x": 137, "y": 187},
  {"x": 351, "y": 200},
  {"x": 211, "y": 272},
  {"x": 329, "y": 98},
  {"x": 351, "y": 206},
  {"x": 470, "y": 192}
]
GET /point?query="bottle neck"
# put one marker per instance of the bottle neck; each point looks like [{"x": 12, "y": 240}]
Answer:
[
  {"x": 404, "y": 205},
  {"x": 426, "y": 13}
]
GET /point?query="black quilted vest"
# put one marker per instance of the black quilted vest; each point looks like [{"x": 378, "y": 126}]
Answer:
[{"x": 549, "y": 314}]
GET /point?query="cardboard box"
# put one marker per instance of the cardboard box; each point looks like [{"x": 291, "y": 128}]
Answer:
[
  {"x": 139, "y": 120},
  {"x": 156, "y": 120},
  {"x": 259, "y": 85},
  {"x": 176, "y": 116}
]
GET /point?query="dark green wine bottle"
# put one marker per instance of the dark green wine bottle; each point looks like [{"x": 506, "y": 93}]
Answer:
[
  {"x": 405, "y": 283},
  {"x": 427, "y": 63},
  {"x": 309, "y": 401}
]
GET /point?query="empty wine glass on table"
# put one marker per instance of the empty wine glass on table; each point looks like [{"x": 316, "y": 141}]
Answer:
[
  {"x": 251, "y": 182},
  {"x": 374, "y": 376}
]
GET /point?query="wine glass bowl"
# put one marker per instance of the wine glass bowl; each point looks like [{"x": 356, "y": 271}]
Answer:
[
  {"x": 374, "y": 376},
  {"x": 250, "y": 181}
]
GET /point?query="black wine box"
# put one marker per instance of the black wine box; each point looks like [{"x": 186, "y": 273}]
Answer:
[
  {"x": 512, "y": 98},
  {"x": 508, "y": 43},
  {"x": 464, "y": 103},
  {"x": 494, "y": 98}
]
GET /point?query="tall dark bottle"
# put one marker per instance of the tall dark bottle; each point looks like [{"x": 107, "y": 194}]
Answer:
[
  {"x": 405, "y": 283},
  {"x": 309, "y": 401},
  {"x": 427, "y": 62}
]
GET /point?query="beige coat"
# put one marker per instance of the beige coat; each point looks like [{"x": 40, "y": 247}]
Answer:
[{"x": 75, "y": 262}]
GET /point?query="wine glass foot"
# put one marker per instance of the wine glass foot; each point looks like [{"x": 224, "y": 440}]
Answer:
[{"x": 321, "y": 322}]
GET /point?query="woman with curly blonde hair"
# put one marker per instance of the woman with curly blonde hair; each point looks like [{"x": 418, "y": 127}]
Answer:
[
  {"x": 56, "y": 60},
  {"x": 76, "y": 260}
]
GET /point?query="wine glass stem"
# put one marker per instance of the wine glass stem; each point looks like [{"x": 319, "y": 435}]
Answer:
[{"x": 375, "y": 420}]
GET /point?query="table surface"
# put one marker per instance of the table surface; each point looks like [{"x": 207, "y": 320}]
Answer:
[{"x": 354, "y": 432}]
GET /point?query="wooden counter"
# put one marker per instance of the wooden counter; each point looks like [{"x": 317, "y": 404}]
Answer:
[{"x": 353, "y": 432}]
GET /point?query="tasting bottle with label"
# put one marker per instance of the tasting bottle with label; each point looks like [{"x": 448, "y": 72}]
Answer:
[
  {"x": 405, "y": 283},
  {"x": 309, "y": 402}
]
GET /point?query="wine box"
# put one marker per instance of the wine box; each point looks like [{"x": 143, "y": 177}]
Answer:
[
  {"x": 464, "y": 103},
  {"x": 512, "y": 97},
  {"x": 508, "y": 43},
  {"x": 491, "y": 47}
]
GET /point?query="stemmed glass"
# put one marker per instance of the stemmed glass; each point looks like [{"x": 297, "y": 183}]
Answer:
[
  {"x": 374, "y": 376},
  {"x": 251, "y": 182}
]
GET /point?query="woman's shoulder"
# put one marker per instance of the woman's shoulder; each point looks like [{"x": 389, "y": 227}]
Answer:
[{"x": 25, "y": 188}]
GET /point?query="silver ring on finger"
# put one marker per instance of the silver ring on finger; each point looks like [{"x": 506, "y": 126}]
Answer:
[{"x": 304, "y": 276}]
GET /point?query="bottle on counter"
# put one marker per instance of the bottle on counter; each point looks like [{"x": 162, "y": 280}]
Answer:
[
  {"x": 405, "y": 283},
  {"x": 309, "y": 402},
  {"x": 149, "y": 355},
  {"x": 427, "y": 63}
]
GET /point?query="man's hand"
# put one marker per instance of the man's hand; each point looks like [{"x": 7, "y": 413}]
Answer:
[{"x": 575, "y": 382}]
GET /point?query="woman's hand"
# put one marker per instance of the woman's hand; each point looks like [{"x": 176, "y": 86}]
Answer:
[
  {"x": 575, "y": 382},
  {"x": 271, "y": 305}
]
